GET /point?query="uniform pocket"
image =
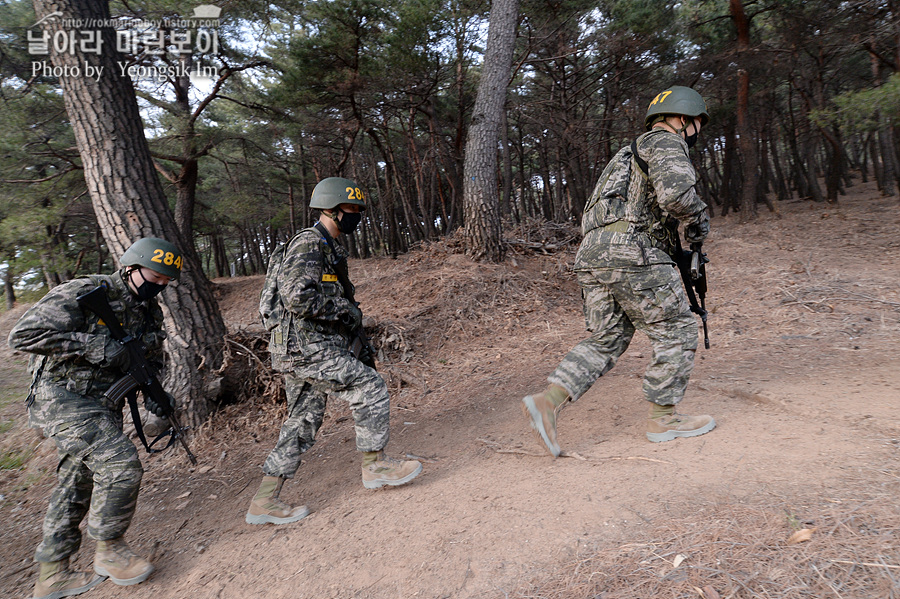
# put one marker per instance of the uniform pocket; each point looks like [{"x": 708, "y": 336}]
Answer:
[
  {"x": 79, "y": 381},
  {"x": 332, "y": 289},
  {"x": 658, "y": 293}
]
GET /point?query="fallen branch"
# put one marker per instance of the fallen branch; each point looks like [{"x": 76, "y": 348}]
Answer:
[
  {"x": 870, "y": 564},
  {"x": 567, "y": 454},
  {"x": 246, "y": 349}
]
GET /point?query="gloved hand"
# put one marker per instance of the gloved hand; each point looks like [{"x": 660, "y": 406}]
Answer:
[
  {"x": 367, "y": 355},
  {"x": 160, "y": 411},
  {"x": 352, "y": 318},
  {"x": 116, "y": 355},
  {"x": 696, "y": 232}
]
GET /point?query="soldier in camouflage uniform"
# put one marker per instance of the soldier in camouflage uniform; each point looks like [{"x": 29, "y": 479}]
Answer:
[
  {"x": 628, "y": 276},
  {"x": 312, "y": 323},
  {"x": 74, "y": 362}
]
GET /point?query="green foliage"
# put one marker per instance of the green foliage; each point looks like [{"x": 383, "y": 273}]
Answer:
[
  {"x": 46, "y": 221},
  {"x": 648, "y": 18},
  {"x": 383, "y": 92},
  {"x": 860, "y": 111}
]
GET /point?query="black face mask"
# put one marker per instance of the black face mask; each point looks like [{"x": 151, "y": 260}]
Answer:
[
  {"x": 147, "y": 290},
  {"x": 349, "y": 221},
  {"x": 691, "y": 139}
]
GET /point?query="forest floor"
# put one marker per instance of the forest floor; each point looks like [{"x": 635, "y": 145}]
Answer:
[{"x": 794, "y": 494}]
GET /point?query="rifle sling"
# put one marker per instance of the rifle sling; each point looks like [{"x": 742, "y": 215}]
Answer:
[
  {"x": 360, "y": 338},
  {"x": 642, "y": 164},
  {"x": 139, "y": 426},
  {"x": 341, "y": 267},
  {"x": 34, "y": 382},
  {"x": 128, "y": 384}
]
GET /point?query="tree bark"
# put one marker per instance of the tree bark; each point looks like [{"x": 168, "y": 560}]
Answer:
[
  {"x": 129, "y": 201},
  {"x": 483, "y": 236},
  {"x": 747, "y": 147}
]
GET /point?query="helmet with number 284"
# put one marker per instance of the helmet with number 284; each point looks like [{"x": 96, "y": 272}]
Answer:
[{"x": 156, "y": 254}]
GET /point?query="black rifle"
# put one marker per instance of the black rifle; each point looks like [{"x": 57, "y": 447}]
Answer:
[
  {"x": 360, "y": 346},
  {"x": 692, "y": 265},
  {"x": 140, "y": 374}
]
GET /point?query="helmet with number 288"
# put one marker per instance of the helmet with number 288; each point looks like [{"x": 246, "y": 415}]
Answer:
[
  {"x": 331, "y": 192},
  {"x": 156, "y": 254}
]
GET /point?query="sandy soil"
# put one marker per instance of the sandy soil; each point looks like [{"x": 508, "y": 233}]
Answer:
[{"x": 802, "y": 378}]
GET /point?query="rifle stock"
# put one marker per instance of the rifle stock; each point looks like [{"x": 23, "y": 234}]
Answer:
[{"x": 140, "y": 373}]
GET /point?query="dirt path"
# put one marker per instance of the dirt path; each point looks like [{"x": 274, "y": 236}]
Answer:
[{"x": 802, "y": 378}]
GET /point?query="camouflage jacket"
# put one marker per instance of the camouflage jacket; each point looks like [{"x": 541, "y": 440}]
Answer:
[
  {"x": 313, "y": 299},
  {"x": 639, "y": 229},
  {"x": 69, "y": 344}
]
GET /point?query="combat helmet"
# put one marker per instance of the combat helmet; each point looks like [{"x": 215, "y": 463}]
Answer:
[
  {"x": 156, "y": 254},
  {"x": 677, "y": 100},
  {"x": 333, "y": 191}
]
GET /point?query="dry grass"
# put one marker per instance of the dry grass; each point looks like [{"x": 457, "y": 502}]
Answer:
[
  {"x": 743, "y": 550},
  {"x": 727, "y": 549}
]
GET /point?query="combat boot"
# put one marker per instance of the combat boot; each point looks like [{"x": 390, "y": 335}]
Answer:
[
  {"x": 667, "y": 427},
  {"x": 389, "y": 471},
  {"x": 124, "y": 567},
  {"x": 56, "y": 580},
  {"x": 541, "y": 410},
  {"x": 267, "y": 508}
]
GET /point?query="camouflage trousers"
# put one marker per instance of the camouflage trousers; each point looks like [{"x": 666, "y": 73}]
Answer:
[
  {"x": 98, "y": 476},
  {"x": 332, "y": 372},
  {"x": 617, "y": 301}
]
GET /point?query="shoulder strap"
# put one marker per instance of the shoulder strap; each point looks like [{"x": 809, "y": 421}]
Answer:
[
  {"x": 642, "y": 164},
  {"x": 341, "y": 266},
  {"x": 279, "y": 254}
]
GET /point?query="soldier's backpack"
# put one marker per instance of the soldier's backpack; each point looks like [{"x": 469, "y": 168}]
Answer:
[
  {"x": 616, "y": 183},
  {"x": 271, "y": 308}
]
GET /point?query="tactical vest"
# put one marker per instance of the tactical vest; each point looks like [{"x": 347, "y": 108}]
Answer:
[
  {"x": 621, "y": 201},
  {"x": 285, "y": 330}
]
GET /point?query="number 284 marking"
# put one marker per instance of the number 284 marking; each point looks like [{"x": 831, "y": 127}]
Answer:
[{"x": 167, "y": 258}]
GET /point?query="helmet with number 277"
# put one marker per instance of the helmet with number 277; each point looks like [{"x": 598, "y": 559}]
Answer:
[{"x": 156, "y": 254}]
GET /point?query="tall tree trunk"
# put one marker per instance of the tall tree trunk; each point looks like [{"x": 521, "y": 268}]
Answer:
[
  {"x": 506, "y": 198},
  {"x": 483, "y": 237},
  {"x": 745, "y": 135},
  {"x": 886, "y": 150},
  {"x": 129, "y": 201},
  {"x": 189, "y": 175},
  {"x": 726, "y": 192}
]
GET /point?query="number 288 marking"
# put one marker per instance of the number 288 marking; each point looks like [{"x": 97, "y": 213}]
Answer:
[{"x": 355, "y": 193}]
